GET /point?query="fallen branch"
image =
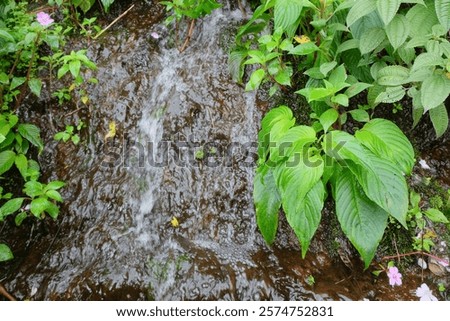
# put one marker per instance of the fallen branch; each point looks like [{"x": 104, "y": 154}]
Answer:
[
  {"x": 390, "y": 257},
  {"x": 5, "y": 293},
  {"x": 112, "y": 23}
]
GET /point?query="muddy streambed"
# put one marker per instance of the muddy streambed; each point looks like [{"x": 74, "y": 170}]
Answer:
[{"x": 184, "y": 149}]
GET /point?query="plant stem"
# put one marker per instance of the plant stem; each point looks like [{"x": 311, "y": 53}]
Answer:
[
  {"x": 390, "y": 257},
  {"x": 189, "y": 35},
  {"x": 5, "y": 293},
  {"x": 114, "y": 21}
]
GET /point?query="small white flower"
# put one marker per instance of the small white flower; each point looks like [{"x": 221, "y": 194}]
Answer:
[
  {"x": 425, "y": 294},
  {"x": 424, "y": 164},
  {"x": 154, "y": 35}
]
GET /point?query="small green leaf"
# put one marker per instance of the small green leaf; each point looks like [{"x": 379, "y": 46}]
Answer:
[
  {"x": 10, "y": 207},
  {"x": 397, "y": 31},
  {"x": 371, "y": 39},
  {"x": 5, "y": 253},
  {"x": 21, "y": 162},
  {"x": 304, "y": 49},
  {"x": 32, "y": 134},
  {"x": 255, "y": 79},
  {"x": 327, "y": 67},
  {"x": 436, "y": 216},
  {"x": 7, "y": 158},
  {"x": 356, "y": 88},
  {"x": 75, "y": 139},
  {"x": 360, "y": 115},
  {"x": 392, "y": 76},
  {"x": 328, "y": 118},
  {"x": 427, "y": 59},
  {"x": 54, "y": 195},
  {"x": 387, "y": 9},
  {"x": 439, "y": 118},
  {"x": 4, "y": 79},
  {"x": 33, "y": 188},
  {"x": 35, "y": 85},
  {"x": 390, "y": 95},
  {"x": 443, "y": 12},
  {"x": 435, "y": 89},
  {"x": 38, "y": 206},
  {"x": 63, "y": 70},
  {"x": 74, "y": 67},
  {"x": 55, "y": 185},
  {"x": 360, "y": 9},
  {"x": 340, "y": 99},
  {"x": 16, "y": 82},
  {"x": 20, "y": 218}
]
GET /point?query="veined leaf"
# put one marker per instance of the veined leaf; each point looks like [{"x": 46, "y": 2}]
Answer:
[
  {"x": 392, "y": 76},
  {"x": 427, "y": 59},
  {"x": 295, "y": 140},
  {"x": 273, "y": 126},
  {"x": 35, "y": 85},
  {"x": 235, "y": 63},
  {"x": 439, "y": 118},
  {"x": 390, "y": 95},
  {"x": 384, "y": 184},
  {"x": 267, "y": 203},
  {"x": 38, "y": 206},
  {"x": 10, "y": 207},
  {"x": 255, "y": 79},
  {"x": 421, "y": 19},
  {"x": 360, "y": 9},
  {"x": 387, "y": 9},
  {"x": 371, "y": 39},
  {"x": 397, "y": 31},
  {"x": 328, "y": 118},
  {"x": 443, "y": 12},
  {"x": 362, "y": 221},
  {"x": 32, "y": 134},
  {"x": 22, "y": 164},
  {"x": 356, "y": 88},
  {"x": 304, "y": 49},
  {"x": 7, "y": 158},
  {"x": 387, "y": 141},
  {"x": 436, "y": 215},
  {"x": 286, "y": 13},
  {"x": 304, "y": 216},
  {"x": 435, "y": 89}
]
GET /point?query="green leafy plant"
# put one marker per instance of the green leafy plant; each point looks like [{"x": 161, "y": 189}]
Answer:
[
  {"x": 71, "y": 132},
  {"x": 187, "y": 11},
  {"x": 364, "y": 170},
  {"x": 84, "y": 5}
]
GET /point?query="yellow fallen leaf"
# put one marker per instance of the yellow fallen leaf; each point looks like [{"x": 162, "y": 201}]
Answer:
[
  {"x": 112, "y": 130},
  {"x": 85, "y": 99},
  {"x": 174, "y": 222},
  {"x": 302, "y": 39}
]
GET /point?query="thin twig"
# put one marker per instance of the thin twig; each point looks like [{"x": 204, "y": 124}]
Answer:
[
  {"x": 414, "y": 253},
  {"x": 189, "y": 35},
  {"x": 6, "y": 294},
  {"x": 112, "y": 23},
  {"x": 396, "y": 250}
]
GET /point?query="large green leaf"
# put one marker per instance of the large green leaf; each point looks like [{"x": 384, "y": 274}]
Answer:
[
  {"x": 32, "y": 134},
  {"x": 439, "y": 118},
  {"x": 384, "y": 184},
  {"x": 5, "y": 253},
  {"x": 7, "y": 158},
  {"x": 392, "y": 76},
  {"x": 39, "y": 205},
  {"x": 273, "y": 126},
  {"x": 435, "y": 89},
  {"x": 286, "y": 13},
  {"x": 421, "y": 19},
  {"x": 360, "y": 9},
  {"x": 304, "y": 216},
  {"x": 362, "y": 220},
  {"x": 397, "y": 31},
  {"x": 443, "y": 12},
  {"x": 387, "y": 141},
  {"x": 298, "y": 175},
  {"x": 371, "y": 39},
  {"x": 267, "y": 203},
  {"x": 387, "y": 9},
  {"x": 295, "y": 140},
  {"x": 427, "y": 59}
]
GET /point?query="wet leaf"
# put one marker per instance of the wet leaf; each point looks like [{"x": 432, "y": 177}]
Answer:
[{"x": 112, "y": 130}]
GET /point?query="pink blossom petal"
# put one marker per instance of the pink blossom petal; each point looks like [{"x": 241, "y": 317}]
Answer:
[
  {"x": 155, "y": 35},
  {"x": 44, "y": 19}
]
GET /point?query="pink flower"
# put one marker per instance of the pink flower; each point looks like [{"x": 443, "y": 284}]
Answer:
[
  {"x": 425, "y": 294},
  {"x": 442, "y": 262},
  {"x": 395, "y": 278},
  {"x": 154, "y": 35},
  {"x": 44, "y": 19}
]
